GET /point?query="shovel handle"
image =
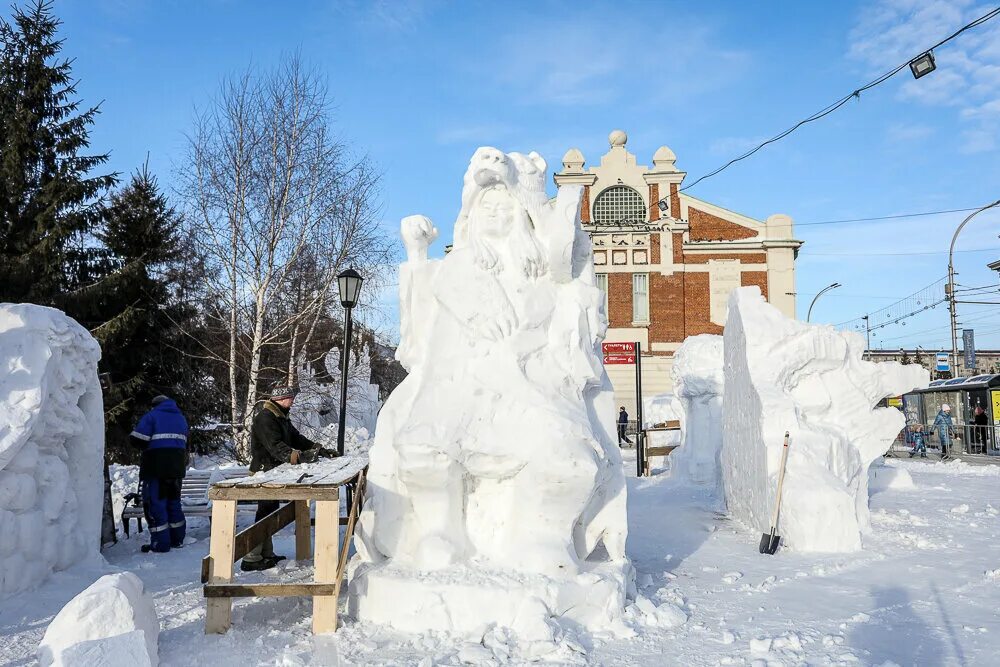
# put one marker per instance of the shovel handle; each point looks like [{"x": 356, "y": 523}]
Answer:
[{"x": 781, "y": 482}]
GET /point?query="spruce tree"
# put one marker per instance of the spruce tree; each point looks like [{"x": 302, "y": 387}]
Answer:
[
  {"x": 49, "y": 199},
  {"x": 147, "y": 329}
]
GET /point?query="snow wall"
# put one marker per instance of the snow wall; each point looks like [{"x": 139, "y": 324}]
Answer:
[
  {"x": 698, "y": 383},
  {"x": 496, "y": 494},
  {"x": 810, "y": 380},
  {"x": 51, "y": 445}
]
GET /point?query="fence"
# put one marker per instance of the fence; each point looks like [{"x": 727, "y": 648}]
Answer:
[{"x": 969, "y": 439}]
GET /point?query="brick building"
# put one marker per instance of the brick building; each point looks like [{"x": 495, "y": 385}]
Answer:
[{"x": 667, "y": 269}]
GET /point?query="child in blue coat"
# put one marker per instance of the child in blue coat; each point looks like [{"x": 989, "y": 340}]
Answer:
[{"x": 919, "y": 444}]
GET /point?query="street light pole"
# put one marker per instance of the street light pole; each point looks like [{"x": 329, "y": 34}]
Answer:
[
  {"x": 349, "y": 283},
  {"x": 821, "y": 293},
  {"x": 950, "y": 290},
  {"x": 868, "y": 338}
]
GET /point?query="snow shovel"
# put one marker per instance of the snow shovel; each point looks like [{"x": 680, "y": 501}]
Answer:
[{"x": 769, "y": 541}]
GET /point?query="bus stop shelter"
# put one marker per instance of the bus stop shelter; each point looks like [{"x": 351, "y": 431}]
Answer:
[{"x": 964, "y": 395}]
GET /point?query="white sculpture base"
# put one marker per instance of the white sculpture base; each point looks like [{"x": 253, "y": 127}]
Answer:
[{"x": 467, "y": 601}]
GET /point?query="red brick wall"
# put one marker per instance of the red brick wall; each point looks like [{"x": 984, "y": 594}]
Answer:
[
  {"x": 699, "y": 306},
  {"x": 675, "y": 202},
  {"x": 666, "y": 308},
  {"x": 620, "y": 299},
  {"x": 585, "y": 206},
  {"x": 758, "y": 278},
  {"x": 755, "y": 258},
  {"x": 654, "y": 248},
  {"x": 678, "y": 248},
  {"x": 654, "y": 199},
  {"x": 707, "y": 227}
]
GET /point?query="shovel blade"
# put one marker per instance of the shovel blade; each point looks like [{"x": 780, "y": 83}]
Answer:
[{"x": 769, "y": 543}]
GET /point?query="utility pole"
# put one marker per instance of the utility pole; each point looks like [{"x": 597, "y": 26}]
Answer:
[
  {"x": 868, "y": 338},
  {"x": 949, "y": 290}
]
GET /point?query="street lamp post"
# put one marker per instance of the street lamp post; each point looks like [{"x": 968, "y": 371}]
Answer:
[
  {"x": 821, "y": 293},
  {"x": 349, "y": 283},
  {"x": 950, "y": 290},
  {"x": 868, "y": 337}
]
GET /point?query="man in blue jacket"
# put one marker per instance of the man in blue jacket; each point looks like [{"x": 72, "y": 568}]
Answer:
[{"x": 162, "y": 435}]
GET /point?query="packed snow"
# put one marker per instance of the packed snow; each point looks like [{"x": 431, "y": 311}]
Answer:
[
  {"x": 112, "y": 623},
  {"x": 810, "y": 381},
  {"x": 316, "y": 411},
  {"x": 923, "y": 591},
  {"x": 496, "y": 494},
  {"x": 698, "y": 384},
  {"x": 51, "y": 445}
]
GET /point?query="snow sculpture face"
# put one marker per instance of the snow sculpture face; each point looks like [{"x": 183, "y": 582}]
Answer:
[{"x": 495, "y": 453}]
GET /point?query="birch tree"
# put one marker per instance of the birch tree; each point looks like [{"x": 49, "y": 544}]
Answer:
[{"x": 278, "y": 205}]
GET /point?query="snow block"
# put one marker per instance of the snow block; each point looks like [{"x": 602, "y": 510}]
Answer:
[
  {"x": 698, "y": 386},
  {"x": 112, "y": 623},
  {"x": 810, "y": 380},
  {"x": 495, "y": 490},
  {"x": 51, "y": 445}
]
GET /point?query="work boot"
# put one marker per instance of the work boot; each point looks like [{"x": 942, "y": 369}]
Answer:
[
  {"x": 923, "y": 456},
  {"x": 911, "y": 454},
  {"x": 255, "y": 566},
  {"x": 147, "y": 548}
]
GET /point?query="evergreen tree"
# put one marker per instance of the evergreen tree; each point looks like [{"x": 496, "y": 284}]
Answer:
[
  {"x": 147, "y": 325},
  {"x": 49, "y": 200}
]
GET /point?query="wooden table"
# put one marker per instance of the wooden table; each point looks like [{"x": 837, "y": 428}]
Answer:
[{"x": 299, "y": 484}]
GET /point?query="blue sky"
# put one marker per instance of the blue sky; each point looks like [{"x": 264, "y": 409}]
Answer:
[{"x": 418, "y": 86}]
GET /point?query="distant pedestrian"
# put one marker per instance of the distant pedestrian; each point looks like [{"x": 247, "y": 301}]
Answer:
[
  {"x": 273, "y": 441},
  {"x": 980, "y": 433},
  {"x": 919, "y": 443},
  {"x": 161, "y": 435},
  {"x": 622, "y": 426},
  {"x": 945, "y": 429}
]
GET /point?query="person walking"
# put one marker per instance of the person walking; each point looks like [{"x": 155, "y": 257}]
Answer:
[
  {"x": 622, "y": 426},
  {"x": 980, "y": 434},
  {"x": 273, "y": 441},
  {"x": 161, "y": 435},
  {"x": 945, "y": 429},
  {"x": 919, "y": 443}
]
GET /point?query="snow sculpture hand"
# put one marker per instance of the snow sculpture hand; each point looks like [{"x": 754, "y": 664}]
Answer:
[{"x": 418, "y": 233}]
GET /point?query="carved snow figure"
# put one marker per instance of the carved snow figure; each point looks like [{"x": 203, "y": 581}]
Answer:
[{"x": 494, "y": 461}]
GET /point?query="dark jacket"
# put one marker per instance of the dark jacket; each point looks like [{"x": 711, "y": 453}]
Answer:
[
  {"x": 622, "y": 417},
  {"x": 161, "y": 435},
  {"x": 272, "y": 438}
]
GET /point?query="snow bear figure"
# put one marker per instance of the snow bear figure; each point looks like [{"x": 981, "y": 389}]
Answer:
[{"x": 496, "y": 451}]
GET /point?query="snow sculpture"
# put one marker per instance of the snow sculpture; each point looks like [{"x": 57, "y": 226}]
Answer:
[
  {"x": 111, "y": 623},
  {"x": 316, "y": 409},
  {"x": 810, "y": 380},
  {"x": 51, "y": 445},
  {"x": 496, "y": 493},
  {"x": 698, "y": 384}
]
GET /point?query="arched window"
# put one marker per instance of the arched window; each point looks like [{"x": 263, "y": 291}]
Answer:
[{"x": 619, "y": 205}]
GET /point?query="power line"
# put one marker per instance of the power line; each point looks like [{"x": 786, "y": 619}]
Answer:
[
  {"x": 856, "y": 94},
  {"x": 893, "y": 254},
  {"x": 923, "y": 299},
  {"x": 887, "y": 217}
]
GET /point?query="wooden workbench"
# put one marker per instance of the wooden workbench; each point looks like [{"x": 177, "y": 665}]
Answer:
[
  {"x": 299, "y": 484},
  {"x": 650, "y": 452}
]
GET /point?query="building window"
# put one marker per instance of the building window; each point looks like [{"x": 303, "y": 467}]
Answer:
[
  {"x": 619, "y": 205},
  {"x": 640, "y": 297},
  {"x": 602, "y": 284}
]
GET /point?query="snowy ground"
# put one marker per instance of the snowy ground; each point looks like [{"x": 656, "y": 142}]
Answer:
[{"x": 925, "y": 591}]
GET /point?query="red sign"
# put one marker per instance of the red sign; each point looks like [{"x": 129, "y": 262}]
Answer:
[
  {"x": 611, "y": 359},
  {"x": 619, "y": 348}
]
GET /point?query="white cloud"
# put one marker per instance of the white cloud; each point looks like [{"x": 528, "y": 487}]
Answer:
[
  {"x": 904, "y": 134},
  {"x": 968, "y": 68}
]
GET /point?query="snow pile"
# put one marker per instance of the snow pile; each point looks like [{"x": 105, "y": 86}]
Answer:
[
  {"x": 496, "y": 492},
  {"x": 111, "y": 623},
  {"x": 657, "y": 410},
  {"x": 317, "y": 407},
  {"x": 698, "y": 384},
  {"x": 124, "y": 480},
  {"x": 883, "y": 478},
  {"x": 51, "y": 445},
  {"x": 810, "y": 380}
]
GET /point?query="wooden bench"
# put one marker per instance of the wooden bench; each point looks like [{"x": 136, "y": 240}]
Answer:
[
  {"x": 650, "y": 452},
  {"x": 319, "y": 483},
  {"x": 194, "y": 496}
]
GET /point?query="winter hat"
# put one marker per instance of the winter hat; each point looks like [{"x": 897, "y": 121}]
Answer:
[
  {"x": 159, "y": 399},
  {"x": 946, "y": 407},
  {"x": 283, "y": 391}
]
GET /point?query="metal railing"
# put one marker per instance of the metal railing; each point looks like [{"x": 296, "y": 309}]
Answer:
[{"x": 972, "y": 439}]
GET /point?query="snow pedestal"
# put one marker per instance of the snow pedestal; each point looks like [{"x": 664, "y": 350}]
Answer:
[
  {"x": 810, "y": 380},
  {"x": 111, "y": 623},
  {"x": 698, "y": 386},
  {"x": 51, "y": 445},
  {"x": 496, "y": 494}
]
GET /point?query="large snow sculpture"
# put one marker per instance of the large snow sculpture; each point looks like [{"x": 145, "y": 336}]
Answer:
[
  {"x": 496, "y": 493},
  {"x": 810, "y": 380},
  {"x": 51, "y": 445},
  {"x": 316, "y": 412},
  {"x": 698, "y": 384}
]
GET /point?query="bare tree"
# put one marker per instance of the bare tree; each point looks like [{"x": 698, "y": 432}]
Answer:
[{"x": 279, "y": 205}]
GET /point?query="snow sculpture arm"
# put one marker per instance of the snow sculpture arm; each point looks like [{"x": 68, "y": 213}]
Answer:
[
  {"x": 415, "y": 275},
  {"x": 558, "y": 232}
]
